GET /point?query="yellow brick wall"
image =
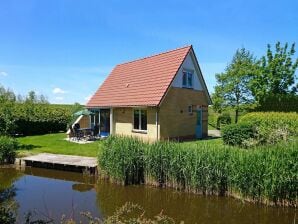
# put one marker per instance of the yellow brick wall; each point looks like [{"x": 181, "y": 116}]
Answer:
[
  {"x": 123, "y": 123},
  {"x": 175, "y": 121}
]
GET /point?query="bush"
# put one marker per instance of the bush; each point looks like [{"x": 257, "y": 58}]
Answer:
[
  {"x": 223, "y": 119},
  {"x": 237, "y": 134},
  {"x": 35, "y": 119},
  {"x": 267, "y": 175},
  {"x": 272, "y": 127},
  {"x": 8, "y": 147}
]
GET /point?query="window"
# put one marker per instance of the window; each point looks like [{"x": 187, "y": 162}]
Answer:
[
  {"x": 140, "y": 120},
  {"x": 187, "y": 79},
  {"x": 190, "y": 109}
]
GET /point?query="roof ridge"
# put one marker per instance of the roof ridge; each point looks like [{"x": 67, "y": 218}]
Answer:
[{"x": 154, "y": 55}]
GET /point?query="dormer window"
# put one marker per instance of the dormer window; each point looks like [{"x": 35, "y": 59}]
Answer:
[{"x": 187, "y": 79}]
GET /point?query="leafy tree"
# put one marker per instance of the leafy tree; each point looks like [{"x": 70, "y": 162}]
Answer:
[
  {"x": 217, "y": 100},
  {"x": 276, "y": 72},
  {"x": 6, "y": 95},
  {"x": 232, "y": 85}
]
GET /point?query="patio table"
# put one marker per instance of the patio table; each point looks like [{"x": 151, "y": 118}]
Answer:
[{"x": 86, "y": 131}]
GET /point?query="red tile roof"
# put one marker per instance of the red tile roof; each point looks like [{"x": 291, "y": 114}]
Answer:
[{"x": 142, "y": 82}]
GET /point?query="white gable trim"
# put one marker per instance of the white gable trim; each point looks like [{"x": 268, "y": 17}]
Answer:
[
  {"x": 200, "y": 75},
  {"x": 197, "y": 72}
]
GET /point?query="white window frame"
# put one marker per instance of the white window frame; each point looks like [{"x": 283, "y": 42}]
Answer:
[
  {"x": 188, "y": 73},
  {"x": 139, "y": 130}
]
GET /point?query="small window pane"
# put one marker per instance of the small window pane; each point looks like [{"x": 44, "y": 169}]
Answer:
[
  {"x": 189, "y": 80},
  {"x": 143, "y": 120},
  {"x": 184, "y": 79},
  {"x": 190, "y": 109},
  {"x": 136, "y": 119}
]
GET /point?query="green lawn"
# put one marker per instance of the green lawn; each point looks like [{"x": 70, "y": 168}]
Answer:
[{"x": 55, "y": 143}]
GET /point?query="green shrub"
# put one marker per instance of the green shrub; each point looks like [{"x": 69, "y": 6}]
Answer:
[
  {"x": 237, "y": 134},
  {"x": 267, "y": 175},
  {"x": 8, "y": 147},
  {"x": 223, "y": 119},
  {"x": 271, "y": 127},
  {"x": 35, "y": 119}
]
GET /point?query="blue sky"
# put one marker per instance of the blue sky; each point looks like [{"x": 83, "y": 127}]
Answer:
[{"x": 64, "y": 49}]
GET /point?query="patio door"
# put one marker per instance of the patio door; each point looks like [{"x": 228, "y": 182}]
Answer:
[{"x": 104, "y": 124}]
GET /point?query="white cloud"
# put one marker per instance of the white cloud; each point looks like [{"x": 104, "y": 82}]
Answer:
[
  {"x": 59, "y": 98},
  {"x": 3, "y": 74},
  {"x": 59, "y": 91}
]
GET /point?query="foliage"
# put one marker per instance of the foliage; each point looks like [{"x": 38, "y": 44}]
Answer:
[
  {"x": 33, "y": 119},
  {"x": 278, "y": 103},
  {"x": 6, "y": 95},
  {"x": 276, "y": 72},
  {"x": 8, "y": 147},
  {"x": 32, "y": 114},
  {"x": 223, "y": 119},
  {"x": 237, "y": 134},
  {"x": 128, "y": 152},
  {"x": 232, "y": 85},
  {"x": 267, "y": 175},
  {"x": 7, "y": 119},
  {"x": 129, "y": 213},
  {"x": 261, "y": 128},
  {"x": 6, "y": 214},
  {"x": 272, "y": 127}
]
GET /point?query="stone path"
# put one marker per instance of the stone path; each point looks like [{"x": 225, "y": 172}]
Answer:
[{"x": 214, "y": 133}]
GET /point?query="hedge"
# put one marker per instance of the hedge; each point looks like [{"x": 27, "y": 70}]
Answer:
[
  {"x": 262, "y": 128},
  {"x": 34, "y": 119},
  {"x": 279, "y": 102}
]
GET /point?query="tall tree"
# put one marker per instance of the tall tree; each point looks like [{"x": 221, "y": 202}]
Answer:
[
  {"x": 232, "y": 85},
  {"x": 6, "y": 95},
  {"x": 276, "y": 72}
]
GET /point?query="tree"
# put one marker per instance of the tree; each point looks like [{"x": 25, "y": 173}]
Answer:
[
  {"x": 276, "y": 72},
  {"x": 6, "y": 95},
  {"x": 232, "y": 85}
]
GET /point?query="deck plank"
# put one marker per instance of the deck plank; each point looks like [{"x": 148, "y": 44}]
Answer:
[{"x": 68, "y": 160}]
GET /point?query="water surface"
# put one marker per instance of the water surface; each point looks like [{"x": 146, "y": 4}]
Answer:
[{"x": 52, "y": 193}]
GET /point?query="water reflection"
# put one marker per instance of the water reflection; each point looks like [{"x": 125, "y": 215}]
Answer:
[{"x": 53, "y": 193}]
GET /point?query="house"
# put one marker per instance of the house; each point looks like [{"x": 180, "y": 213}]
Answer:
[{"x": 163, "y": 96}]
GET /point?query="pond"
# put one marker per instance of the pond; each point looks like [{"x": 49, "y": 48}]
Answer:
[{"x": 52, "y": 193}]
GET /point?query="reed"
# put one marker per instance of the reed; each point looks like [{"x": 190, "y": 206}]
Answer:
[{"x": 265, "y": 174}]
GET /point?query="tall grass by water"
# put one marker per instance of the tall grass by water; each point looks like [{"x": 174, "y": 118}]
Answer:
[{"x": 265, "y": 175}]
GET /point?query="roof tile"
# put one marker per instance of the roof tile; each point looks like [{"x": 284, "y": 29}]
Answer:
[{"x": 142, "y": 82}]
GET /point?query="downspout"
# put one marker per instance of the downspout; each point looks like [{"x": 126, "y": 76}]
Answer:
[
  {"x": 111, "y": 121},
  {"x": 156, "y": 122}
]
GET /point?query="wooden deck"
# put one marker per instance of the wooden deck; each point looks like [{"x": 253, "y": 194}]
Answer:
[{"x": 63, "y": 162}]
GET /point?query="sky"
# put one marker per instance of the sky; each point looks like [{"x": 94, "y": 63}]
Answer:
[{"x": 64, "y": 49}]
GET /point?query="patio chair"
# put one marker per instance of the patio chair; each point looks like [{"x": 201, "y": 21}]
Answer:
[
  {"x": 77, "y": 132},
  {"x": 95, "y": 130}
]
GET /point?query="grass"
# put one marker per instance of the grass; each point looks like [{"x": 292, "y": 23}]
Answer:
[
  {"x": 266, "y": 174},
  {"x": 55, "y": 143}
]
